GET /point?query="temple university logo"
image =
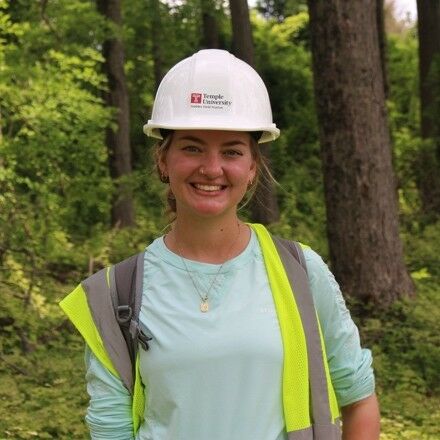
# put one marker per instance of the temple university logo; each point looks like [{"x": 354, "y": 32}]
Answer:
[
  {"x": 196, "y": 98},
  {"x": 213, "y": 101}
]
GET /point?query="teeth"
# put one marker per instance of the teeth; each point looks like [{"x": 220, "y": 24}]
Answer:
[{"x": 208, "y": 187}]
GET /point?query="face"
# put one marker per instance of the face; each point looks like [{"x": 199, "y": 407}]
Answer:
[{"x": 209, "y": 171}]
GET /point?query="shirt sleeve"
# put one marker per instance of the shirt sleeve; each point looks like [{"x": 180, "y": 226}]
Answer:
[
  {"x": 109, "y": 413},
  {"x": 350, "y": 365}
]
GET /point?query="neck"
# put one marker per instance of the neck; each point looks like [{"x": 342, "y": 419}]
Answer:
[{"x": 208, "y": 241}]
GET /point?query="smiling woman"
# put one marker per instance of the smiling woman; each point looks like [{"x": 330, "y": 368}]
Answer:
[
  {"x": 235, "y": 144},
  {"x": 228, "y": 349}
]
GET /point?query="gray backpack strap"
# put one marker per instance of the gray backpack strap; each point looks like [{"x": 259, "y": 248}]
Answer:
[
  {"x": 127, "y": 296},
  {"x": 101, "y": 306},
  {"x": 114, "y": 297},
  {"x": 293, "y": 260}
]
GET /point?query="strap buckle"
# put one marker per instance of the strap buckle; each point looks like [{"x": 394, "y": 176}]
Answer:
[{"x": 124, "y": 314}]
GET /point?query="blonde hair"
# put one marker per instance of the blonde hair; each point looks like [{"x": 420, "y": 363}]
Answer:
[{"x": 262, "y": 174}]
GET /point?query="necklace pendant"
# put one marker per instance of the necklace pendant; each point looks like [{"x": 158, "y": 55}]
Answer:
[{"x": 204, "y": 306}]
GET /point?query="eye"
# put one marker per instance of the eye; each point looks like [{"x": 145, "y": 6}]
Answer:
[
  {"x": 191, "y": 148},
  {"x": 232, "y": 152}
]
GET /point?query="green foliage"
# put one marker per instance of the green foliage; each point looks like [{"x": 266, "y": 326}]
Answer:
[
  {"x": 62, "y": 122},
  {"x": 406, "y": 355},
  {"x": 421, "y": 245},
  {"x": 43, "y": 395},
  {"x": 404, "y": 86},
  {"x": 54, "y": 181},
  {"x": 105, "y": 247},
  {"x": 280, "y": 9},
  {"x": 416, "y": 160},
  {"x": 410, "y": 347}
]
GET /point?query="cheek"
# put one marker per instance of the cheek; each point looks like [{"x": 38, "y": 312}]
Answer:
[
  {"x": 243, "y": 173},
  {"x": 177, "y": 166}
]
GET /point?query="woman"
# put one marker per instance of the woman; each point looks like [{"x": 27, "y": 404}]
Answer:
[{"x": 223, "y": 360}]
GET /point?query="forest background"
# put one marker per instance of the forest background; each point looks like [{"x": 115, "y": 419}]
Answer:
[{"x": 60, "y": 188}]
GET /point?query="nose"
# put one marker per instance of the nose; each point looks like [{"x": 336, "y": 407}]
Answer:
[{"x": 211, "y": 166}]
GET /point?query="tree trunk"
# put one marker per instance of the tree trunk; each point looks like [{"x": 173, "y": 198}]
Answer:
[
  {"x": 264, "y": 205},
  {"x": 429, "y": 72},
  {"x": 156, "y": 38},
  {"x": 360, "y": 188},
  {"x": 118, "y": 138},
  {"x": 382, "y": 43},
  {"x": 242, "y": 42},
  {"x": 210, "y": 36}
]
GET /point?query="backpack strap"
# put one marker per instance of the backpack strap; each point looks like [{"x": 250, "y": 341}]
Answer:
[
  {"x": 126, "y": 285},
  {"x": 296, "y": 271},
  {"x": 105, "y": 335}
]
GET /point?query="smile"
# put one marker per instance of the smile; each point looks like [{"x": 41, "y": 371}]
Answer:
[{"x": 210, "y": 188}]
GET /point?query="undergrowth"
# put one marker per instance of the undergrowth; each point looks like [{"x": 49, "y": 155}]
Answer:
[
  {"x": 406, "y": 351},
  {"x": 42, "y": 395}
]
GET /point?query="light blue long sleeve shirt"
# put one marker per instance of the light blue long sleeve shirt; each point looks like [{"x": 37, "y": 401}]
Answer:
[{"x": 218, "y": 375}]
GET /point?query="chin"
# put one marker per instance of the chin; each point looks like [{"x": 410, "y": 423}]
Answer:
[
  {"x": 207, "y": 208},
  {"x": 208, "y": 211}
]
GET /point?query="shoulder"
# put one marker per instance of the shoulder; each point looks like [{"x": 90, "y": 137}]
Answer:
[
  {"x": 312, "y": 257},
  {"x": 316, "y": 267}
]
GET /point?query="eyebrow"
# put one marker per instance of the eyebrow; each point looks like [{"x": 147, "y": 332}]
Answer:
[{"x": 200, "y": 141}]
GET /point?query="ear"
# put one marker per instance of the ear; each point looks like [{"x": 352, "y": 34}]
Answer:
[
  {"x": 253, "y": 170},
  {"x": 162, "y": 164}
]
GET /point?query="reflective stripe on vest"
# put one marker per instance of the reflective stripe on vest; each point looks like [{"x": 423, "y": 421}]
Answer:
[{"x": 306, "y": 378}]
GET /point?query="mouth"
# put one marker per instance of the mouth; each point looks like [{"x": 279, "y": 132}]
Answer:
[{"x": 208, "y": 188}]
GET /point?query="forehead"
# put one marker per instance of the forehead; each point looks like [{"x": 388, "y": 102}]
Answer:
[{"x": 213, "y": 136}]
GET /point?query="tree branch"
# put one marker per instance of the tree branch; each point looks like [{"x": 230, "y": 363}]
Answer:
[{"x": 45, "y": 18}]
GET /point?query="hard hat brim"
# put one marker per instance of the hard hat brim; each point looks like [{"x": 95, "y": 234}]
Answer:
[{"x": 268, "y": 133}]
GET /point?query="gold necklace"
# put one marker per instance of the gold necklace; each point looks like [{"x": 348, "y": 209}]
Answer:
[{"x": 204, "y": 304}]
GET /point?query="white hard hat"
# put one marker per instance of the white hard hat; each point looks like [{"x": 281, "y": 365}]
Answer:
[{"x": 212, "y": 90}]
